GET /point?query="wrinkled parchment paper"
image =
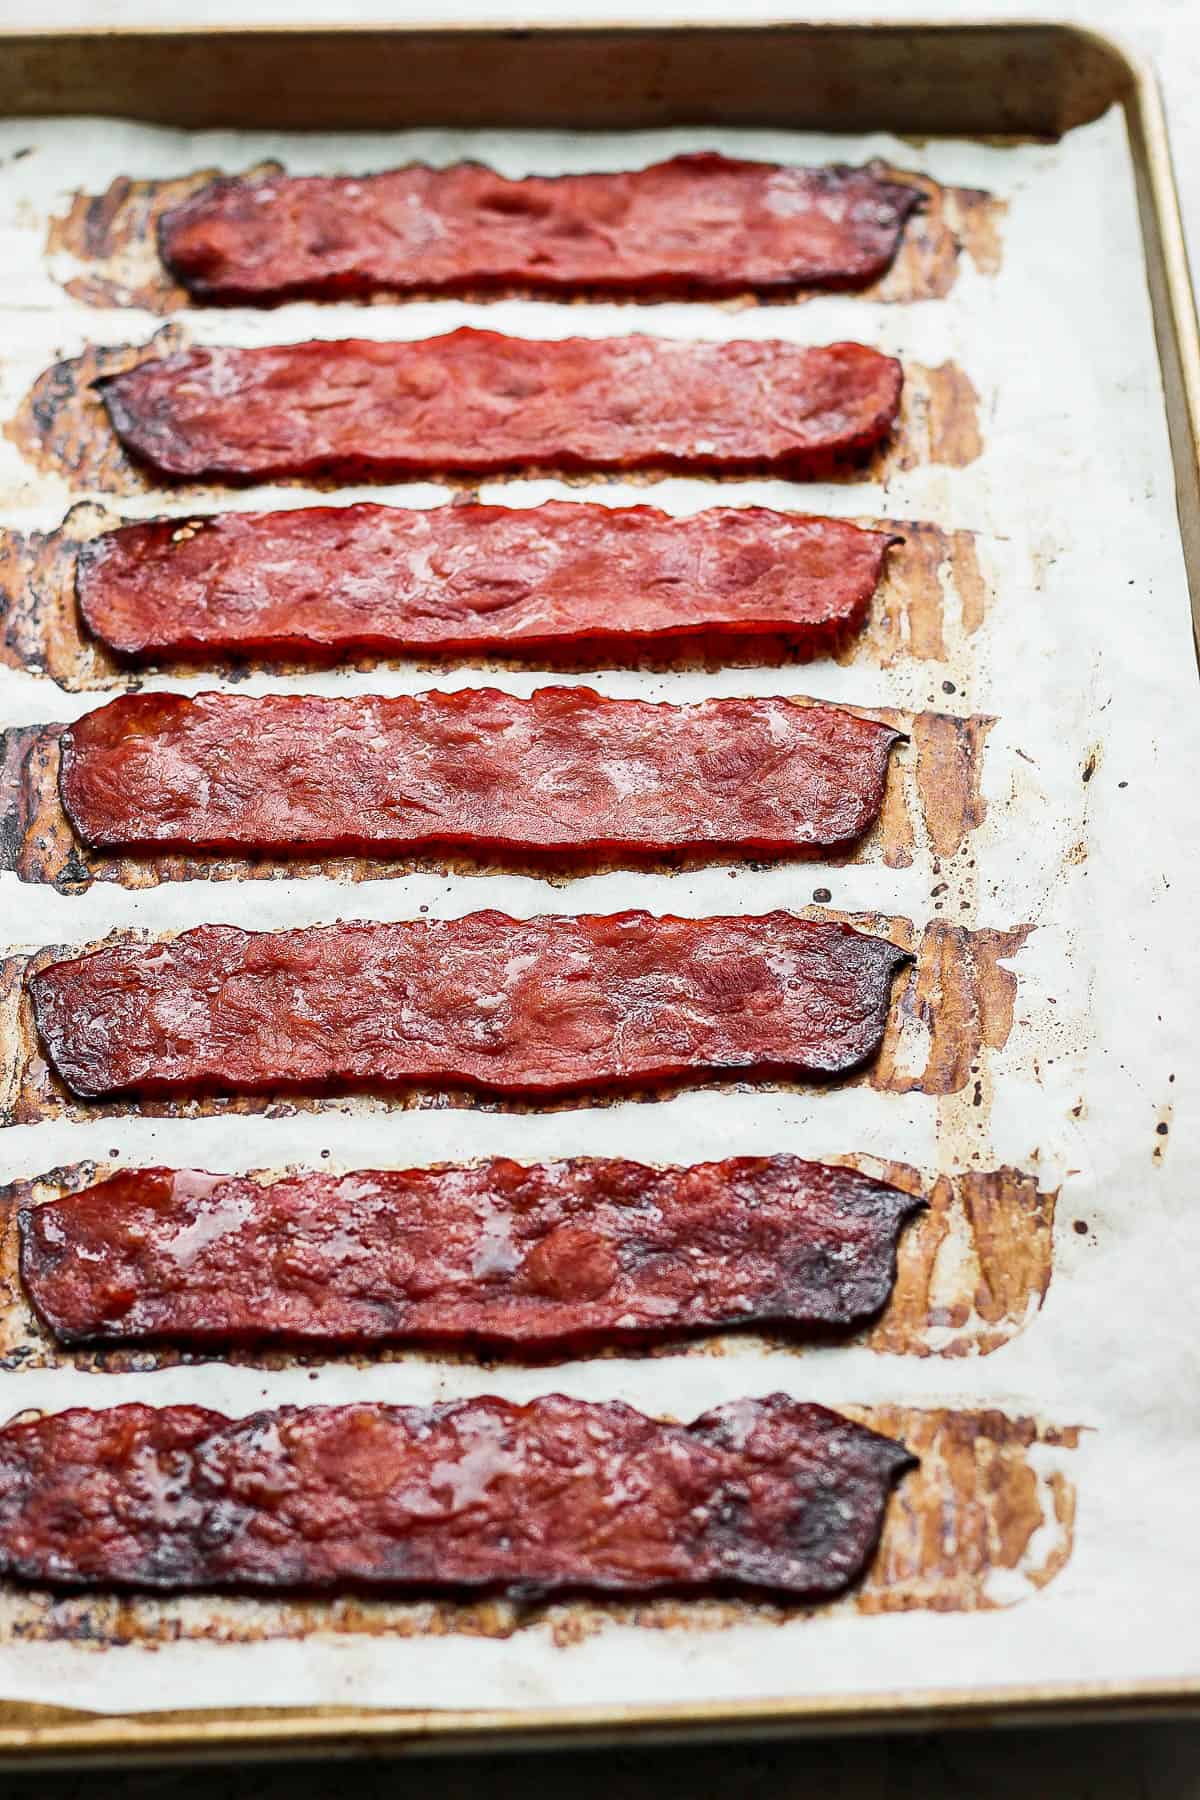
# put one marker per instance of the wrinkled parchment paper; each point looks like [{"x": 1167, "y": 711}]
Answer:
[{"x": 1085, "y": 657}]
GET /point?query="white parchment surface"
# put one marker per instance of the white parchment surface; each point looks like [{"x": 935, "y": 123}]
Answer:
[{"x": 1085, "y": 656}]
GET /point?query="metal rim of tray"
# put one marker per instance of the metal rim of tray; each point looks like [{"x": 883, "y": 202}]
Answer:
[{"x": 32, "y": 1733}]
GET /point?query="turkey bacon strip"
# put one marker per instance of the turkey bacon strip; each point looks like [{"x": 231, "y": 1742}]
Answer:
[
  {"x": 566, "y": 771},
  {"x": 557, "y": 1256},
  {"x": 522, "y": 1007},
  {"x": 327, "y": 581},
  {"x": 475, "y": 402},
  {"x": 699, "y": 224},
  {"x": 560, "y": 1495}
]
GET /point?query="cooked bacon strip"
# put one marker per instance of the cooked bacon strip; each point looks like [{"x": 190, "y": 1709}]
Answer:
[
  {"x": 560, "y": 1256},
  {"x": 515, "y": 1006},
  {"x": 474, "y": 401},
  {"x": 566, "y": 771},
  {"x": 762, "y": 1495},
  {"x": 704, "y": 224},
  {"x": 323, "y": 581}
]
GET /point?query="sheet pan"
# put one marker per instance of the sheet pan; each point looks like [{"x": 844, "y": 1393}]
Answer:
[{"x": 1044, "y": 1361}]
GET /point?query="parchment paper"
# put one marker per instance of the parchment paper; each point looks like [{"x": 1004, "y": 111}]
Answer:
[{"x": 1086, "y": 658}]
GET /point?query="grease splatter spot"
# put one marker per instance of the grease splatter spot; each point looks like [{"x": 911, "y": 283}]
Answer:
[{"x": 1162, "y": 1133}]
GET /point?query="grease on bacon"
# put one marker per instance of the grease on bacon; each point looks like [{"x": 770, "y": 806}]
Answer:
[
  {"x": 702, "y": 224},
  {"x": 760, "y": 1495},
  {"x": 521, "y": 1007},
  {"x": 555, "y": 1256},
  {"x": 566, "y": 772},
  {"x": 476, "y": 402},
  {"x": 326, "y": 581}
]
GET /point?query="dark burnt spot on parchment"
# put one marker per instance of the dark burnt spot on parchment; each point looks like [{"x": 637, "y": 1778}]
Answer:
[
  {"x": 997, "y": 1224},
  {"x": 63, "y": 429},
  {"x": 1164, "y": 1118},
  {"x": 982, "y": 1524},
  {"x": 930, "y": 573},
  {"x": 951, "y": 1007},
  {"x": 111, "y": 241},
  {"x": 931, "y": 802}
]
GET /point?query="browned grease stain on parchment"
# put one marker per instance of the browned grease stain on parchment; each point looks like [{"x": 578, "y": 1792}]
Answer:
[
  {"x": 952, "y": 1006},
  {"x": 983, "y": 1523},
  {"x": 934, "y": 797},
  {"x": 932, "y": 595},
  {"x": 972, "y": 1270},
  {"x": 970, "y": 1512},
  {"x": 953, "y": 222},
  {"x": 40, "y": 627},
  {"x": 929, "y": 574},
  {"x": 949, "y": 765},
  {"x": 62, "y": 429},
  {"x": 939, "y": 420},
  {"x": 113, "y": 238},
  {"x": 931, "y": 801}
]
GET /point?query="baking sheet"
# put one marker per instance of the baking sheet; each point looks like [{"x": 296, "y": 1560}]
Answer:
[{"x": 1083, "y": 654}]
